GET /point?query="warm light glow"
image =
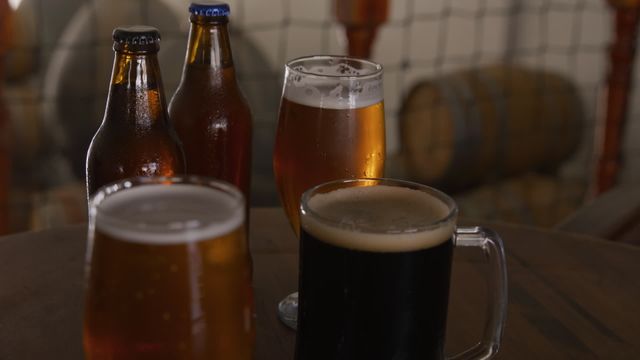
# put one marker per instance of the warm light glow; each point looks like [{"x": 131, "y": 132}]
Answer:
[{"x": 14, "y": 3}]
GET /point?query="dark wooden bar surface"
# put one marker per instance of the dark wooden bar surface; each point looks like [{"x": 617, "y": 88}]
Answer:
[{"x": 571, "y": 296}]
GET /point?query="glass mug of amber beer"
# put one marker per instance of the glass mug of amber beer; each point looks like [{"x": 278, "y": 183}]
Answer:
[
  {"x": 330, "y": 126},
  {"x": 168, "y": 272},
  {"x": 375, "y": 263}
]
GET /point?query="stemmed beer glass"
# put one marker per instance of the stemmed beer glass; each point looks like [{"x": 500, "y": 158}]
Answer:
[{"x": 330, "y": 126}]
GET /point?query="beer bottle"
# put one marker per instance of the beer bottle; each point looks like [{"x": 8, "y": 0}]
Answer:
[
  {"x": 136, "y": 137},
  {"x": 208, "y": 110}
]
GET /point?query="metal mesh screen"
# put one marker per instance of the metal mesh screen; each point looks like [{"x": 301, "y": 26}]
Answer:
[{"x": 58, "y": 72}]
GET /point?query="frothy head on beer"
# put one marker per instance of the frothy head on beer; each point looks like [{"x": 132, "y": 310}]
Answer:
[
  {"x": 169, "y": 214},
  {"x": 331, "y": 82},
  {"x": 379, "y": 218}
]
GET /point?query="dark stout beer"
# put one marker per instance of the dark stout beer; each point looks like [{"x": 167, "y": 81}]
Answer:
[{"x": 374, "y": 275}]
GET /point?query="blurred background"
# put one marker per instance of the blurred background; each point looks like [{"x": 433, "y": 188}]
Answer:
[{"x": 526, "y": 111}]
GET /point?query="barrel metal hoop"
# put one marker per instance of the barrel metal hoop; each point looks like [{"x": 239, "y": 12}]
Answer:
[
  {"x": 498, "y": 95},
  {"x": 465, "y": 124}
]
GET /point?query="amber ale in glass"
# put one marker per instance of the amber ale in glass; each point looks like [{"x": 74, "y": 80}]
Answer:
[
  {"x": 330, "y": 126},
  {"x": 136, "y": 137},
  {"x": 168, "y": 272},
  {"x": 208, "y": 110}
]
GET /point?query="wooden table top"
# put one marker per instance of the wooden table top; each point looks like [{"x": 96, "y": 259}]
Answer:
[{"x": 570, "y": 296}]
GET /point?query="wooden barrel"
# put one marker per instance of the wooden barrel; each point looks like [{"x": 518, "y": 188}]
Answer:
[{"x": 478, "y": 125}]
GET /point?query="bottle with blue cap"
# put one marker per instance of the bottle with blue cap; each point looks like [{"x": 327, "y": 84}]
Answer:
[
  {"x": 136, "y": 137},
  {"x": 208, "y": 110},
  {"x": 213, "y": 120}
]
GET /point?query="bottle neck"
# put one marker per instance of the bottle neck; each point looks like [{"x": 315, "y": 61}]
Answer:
[
  {"x": 136, "y": 93},
  {"x": 209, "y": 44}
]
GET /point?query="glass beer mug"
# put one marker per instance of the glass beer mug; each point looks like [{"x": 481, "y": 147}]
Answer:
[{"x": 375, "y": 264}]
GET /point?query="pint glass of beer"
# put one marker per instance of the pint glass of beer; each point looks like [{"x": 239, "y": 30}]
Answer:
[
  {"x": 168, "y": 272},
  {"x": 375, "y": 264},
  {"x": 330, "y": 126}
]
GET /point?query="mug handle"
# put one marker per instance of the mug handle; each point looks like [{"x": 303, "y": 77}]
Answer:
[{"x": 491, "y": 244}]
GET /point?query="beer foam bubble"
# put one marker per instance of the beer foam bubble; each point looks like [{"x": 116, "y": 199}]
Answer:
[
  {"x": 379, "y": 218},
  {"x": 168, "y": 214},
  {"x": 340, "y": 90}
]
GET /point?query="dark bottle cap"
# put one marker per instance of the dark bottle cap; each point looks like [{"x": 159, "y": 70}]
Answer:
[
  {"x": 136, "y": 38},
  {"x": 209, "y": 8}
]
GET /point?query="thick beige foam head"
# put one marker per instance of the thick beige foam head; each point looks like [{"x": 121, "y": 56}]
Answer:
[
  {"x": 169, "y": 214},
  {"x": 332, "y": 87},
  {"x": 379, "y": 218}
]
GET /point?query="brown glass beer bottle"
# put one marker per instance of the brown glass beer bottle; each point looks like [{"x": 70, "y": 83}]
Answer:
[
  {"x": 208, "y": 110},
  {"x": 136, "y": 137}
]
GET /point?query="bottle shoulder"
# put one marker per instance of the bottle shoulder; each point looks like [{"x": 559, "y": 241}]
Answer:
[
  {"x": 206, "y": 76},
  {"x": 209, "y": 113},
  {"x": 210, "y": 105},
  {"x": 135, "y": 124},
  {"x": 128, "y": 154},
  {"x": 117, "y": 135}
]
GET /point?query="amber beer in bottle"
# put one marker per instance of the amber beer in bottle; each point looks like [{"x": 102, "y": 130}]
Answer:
[
  {"x": 208, "y": 110},
  {"x": 136, "y": 137}
]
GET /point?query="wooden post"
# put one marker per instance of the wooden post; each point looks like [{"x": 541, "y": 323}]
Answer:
[
  {"x": 619, "y": 82},
  {"x": 361, "y": 19},
  {"x": 5, "y": 165}
]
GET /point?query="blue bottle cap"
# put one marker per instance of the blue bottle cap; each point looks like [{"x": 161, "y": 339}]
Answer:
[{"x": 209, "y": 8}]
